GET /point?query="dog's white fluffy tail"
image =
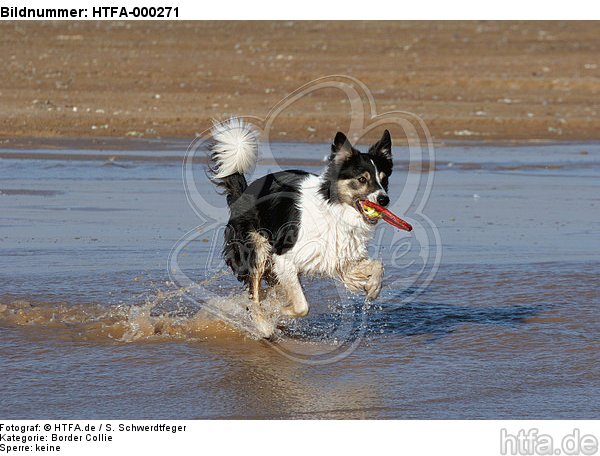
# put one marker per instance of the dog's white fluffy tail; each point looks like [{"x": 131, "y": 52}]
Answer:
[{"x": 235, "y": 148}]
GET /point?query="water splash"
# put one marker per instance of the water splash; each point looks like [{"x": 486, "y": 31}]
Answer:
[{"x": 163, "y": 315}]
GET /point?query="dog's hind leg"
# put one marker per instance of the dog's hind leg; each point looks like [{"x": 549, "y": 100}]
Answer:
[
  {"x": 255, "y": 288},
  {"x": 262, "y": 258}
]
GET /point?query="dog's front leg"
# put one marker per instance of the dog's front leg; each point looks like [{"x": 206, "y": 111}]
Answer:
[
  {"x": 287, "y": 278},
  {"x": 373, "y": 285},
  {"x": 365, "y": 274},
  {"x": 297, "y": 304}
]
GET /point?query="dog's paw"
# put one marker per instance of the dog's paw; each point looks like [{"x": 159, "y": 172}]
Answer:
[
  {"x": 373, "y": 285},
  {"x": 356, "y": 275},
  {"x": 373, "y": 289},
  {"x": 288, "y": 311},
  {"x": 365, "y": 275},
  {"x": 291, "y": 312},
  {"x": 262, "y": 327},
  {"x": 354, "y": 286}
]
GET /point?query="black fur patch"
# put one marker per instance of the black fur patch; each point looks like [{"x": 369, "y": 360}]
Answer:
[
  {"x": 269, "y": 207},
  {"x": 234, "y": 185}
]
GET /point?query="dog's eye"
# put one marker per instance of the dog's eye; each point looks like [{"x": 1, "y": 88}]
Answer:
[{"x": 362, "y": 179}]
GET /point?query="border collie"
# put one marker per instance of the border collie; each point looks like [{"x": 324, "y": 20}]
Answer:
[{"x": 291, "y": 223}]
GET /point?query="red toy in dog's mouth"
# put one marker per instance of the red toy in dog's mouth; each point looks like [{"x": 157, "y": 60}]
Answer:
[{"x": 373, "y": 212}]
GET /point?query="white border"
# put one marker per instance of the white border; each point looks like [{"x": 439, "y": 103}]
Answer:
[
  {"x": 344, "y": 10},
  {"x": 302, "y": 438}
]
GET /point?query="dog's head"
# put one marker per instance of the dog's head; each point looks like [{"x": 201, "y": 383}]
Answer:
[{"x": 353, "y": 176}]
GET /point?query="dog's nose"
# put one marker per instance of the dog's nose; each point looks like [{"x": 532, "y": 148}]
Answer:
[{"x": 383, "y": 200}]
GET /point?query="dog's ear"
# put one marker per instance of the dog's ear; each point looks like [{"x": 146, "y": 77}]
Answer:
[
  {"x": 383, "y": 148},
  {"x": 341, "y": 149}
]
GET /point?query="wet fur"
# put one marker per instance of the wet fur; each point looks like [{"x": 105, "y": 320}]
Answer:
[{"x": 292, "y": 223}]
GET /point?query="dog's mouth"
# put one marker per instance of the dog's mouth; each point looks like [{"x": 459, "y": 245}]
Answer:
[
  {"x": 369, "y": 214},
  {"x": 373, "y": 212}
]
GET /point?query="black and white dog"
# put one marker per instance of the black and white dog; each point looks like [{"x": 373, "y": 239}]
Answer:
[{"x": 293, "y": 222}]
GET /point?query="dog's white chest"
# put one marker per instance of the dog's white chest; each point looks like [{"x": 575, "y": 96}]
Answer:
[{"x": 329, "y": 236}]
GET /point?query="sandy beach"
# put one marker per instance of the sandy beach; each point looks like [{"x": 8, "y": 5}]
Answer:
[{"x": 485, "y": 81}]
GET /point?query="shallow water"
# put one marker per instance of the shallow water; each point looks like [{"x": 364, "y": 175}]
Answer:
[{"x": 93, "y": 326}]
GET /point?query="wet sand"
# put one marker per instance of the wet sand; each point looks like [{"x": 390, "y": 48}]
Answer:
[
  {"x": 93, "y": 325},
  {"x": 467, "y": 80}
]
